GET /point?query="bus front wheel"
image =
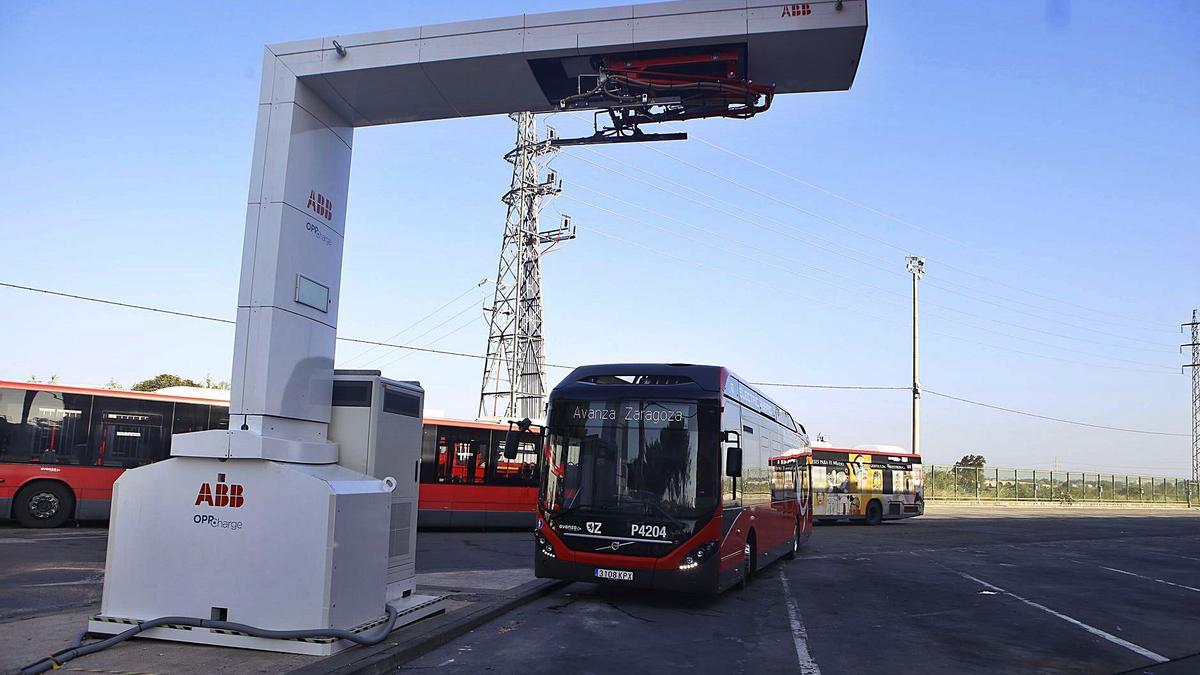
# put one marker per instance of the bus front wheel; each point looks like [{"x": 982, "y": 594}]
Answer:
[
  {"x": 43, "y": 504},
  {"x": 874, "y": 513},
  {"x": 791, "y": 554},
  {"x": 751, "y": 558}
]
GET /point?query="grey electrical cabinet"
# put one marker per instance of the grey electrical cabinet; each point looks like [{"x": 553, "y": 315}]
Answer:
[{"x": 376, "y": 423}]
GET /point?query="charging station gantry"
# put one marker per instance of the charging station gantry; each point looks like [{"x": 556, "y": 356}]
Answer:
[{"x": 295, "y": 529}]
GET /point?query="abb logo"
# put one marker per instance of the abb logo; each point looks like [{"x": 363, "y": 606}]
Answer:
[
  {"x": 226, "y": 494},
  {"x": 800, "y": 9},
  {"x": 320, "y": 204}
]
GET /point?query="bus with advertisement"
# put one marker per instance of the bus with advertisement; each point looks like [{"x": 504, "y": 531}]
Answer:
[
  {"x": 672, "y": 476},
  {"x": 867, "y": 484},
  {"x": 61, "y": 449}
]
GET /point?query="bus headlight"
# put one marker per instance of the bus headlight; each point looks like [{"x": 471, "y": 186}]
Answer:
[
  {"x": 704, "y": 552},
  {"x": 545, "y": 546}
]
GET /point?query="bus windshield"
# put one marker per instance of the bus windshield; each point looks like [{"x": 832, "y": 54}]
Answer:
[{"x": 633, "y": 456}]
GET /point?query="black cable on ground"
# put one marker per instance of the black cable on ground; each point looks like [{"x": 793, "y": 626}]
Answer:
[{"x": 57, "y": 659}]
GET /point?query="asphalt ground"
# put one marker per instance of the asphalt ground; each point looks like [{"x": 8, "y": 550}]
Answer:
[
  {"x": 959, "y": 590},
  {"x": 51, "y": 582},
  {"x": 44, "y": 571}
]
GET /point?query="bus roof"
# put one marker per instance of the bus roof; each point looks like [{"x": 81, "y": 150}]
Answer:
[
  {"x": 791, "y": 454},
  {"x": 115, "y": 393},
  {"x": 470, "y": 424},
  {"x": 707, "y": 378},
  {"x": 869, "y": 450}
]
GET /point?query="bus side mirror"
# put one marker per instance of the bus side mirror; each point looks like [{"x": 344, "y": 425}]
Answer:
[
  {"x": 733, "y": 462},
  {"x": 512, "y": 439}
]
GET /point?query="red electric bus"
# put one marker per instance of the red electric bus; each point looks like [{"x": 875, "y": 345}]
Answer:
[
  {"x": 61, "y": 448},
  {"x": 467, "y": 480},
  {"x": 669, "y": 476}
]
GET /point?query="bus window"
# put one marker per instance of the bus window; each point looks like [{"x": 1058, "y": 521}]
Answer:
[
  {"x": 218, "y": 417},
  {"x": 783, "y": 480},
  {"x": 429, "y": 453},
  {"x": 127, "y": 432},
  {"x": 521, "y": 470},
  {"x": 43, "y": 427},
  {"x": 462, "y": 455},
  {"x": 190, "y": 417}
]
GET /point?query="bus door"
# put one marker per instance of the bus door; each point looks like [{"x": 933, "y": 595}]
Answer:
[{"x": 129, "y": 439}]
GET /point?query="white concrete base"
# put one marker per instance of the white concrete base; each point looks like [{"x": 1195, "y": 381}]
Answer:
[{"x": 410, "y": 610}]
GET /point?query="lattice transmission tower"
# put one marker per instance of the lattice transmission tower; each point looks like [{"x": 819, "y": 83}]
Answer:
[
  {"x": 514, "y": 374},
  {"x": 1195, "y": 366}
]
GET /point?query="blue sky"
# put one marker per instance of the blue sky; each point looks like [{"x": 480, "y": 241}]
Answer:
[{"x": 1040, "y": 154}]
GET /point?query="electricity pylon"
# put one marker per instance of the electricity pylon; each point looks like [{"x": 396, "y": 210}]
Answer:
[
  {"x": 514, "y": 372},
  {"x": 1195, "y": 366}
]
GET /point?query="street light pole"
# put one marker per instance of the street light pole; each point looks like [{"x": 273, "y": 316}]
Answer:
[{"x": 916, "y": 266}]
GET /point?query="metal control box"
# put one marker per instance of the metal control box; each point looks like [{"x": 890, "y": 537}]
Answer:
[{"x": 376, "y": 424}]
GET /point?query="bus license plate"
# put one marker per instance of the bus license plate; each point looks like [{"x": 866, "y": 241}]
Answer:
[{"x": 615, "y": 575}]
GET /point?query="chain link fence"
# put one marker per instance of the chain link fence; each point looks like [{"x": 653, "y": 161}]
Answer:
[{"x": 966, "y": 483}]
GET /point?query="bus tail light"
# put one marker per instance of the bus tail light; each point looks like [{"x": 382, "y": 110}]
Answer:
[{"x": 693, "y": 559}]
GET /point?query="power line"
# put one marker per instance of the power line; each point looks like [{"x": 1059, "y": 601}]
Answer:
[
  {"x": 418, "y": 322},
  {"x": 429, "y": 330},
  {"x": 118, "y": 304},
  {"x": 435, "y": 340},
  {"x": 202, "y": 317},
  {"x": 1053, "y": 419},
  {"x": 829, "y": 386},
  {"x": 446, "y": 352}
]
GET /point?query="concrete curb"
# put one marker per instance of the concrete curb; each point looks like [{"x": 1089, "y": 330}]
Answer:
[{"x": 424, "y": 636}]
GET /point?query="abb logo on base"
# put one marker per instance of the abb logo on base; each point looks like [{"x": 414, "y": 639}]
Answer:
[{"x": 225, "y": 494}]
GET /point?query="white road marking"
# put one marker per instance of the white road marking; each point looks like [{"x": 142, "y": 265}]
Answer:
[
  {"x": 1161, "y": 581},
  {"x": 808, "y": 666},
  {"x": 1091, "y": 629},
  {"x": 1174, "y": 555}
]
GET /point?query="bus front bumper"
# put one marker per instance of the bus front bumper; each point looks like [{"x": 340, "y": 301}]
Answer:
[{"x": 703, "y": 578}]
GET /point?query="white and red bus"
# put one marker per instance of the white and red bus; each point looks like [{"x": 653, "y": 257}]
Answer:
[
  {"x": 61, "y": 448},
  {"x": 867, "y": 483},
  {"x": 670, "y": 476}
]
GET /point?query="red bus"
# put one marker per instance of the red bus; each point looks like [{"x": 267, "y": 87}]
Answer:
[
  {"x": 669, "y": 476},
  {"x": 61, "y": 448},
  {"x": 468, "y": 481}
]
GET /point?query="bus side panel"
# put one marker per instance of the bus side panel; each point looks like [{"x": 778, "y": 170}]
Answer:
[
  {"x": 92, "y": 486},
  {"x": 773, "y": 526},
  {"x": 93, "y": 491},
  {"x": 735, "y": 527},
  {"x": 454, "y": 505}
]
